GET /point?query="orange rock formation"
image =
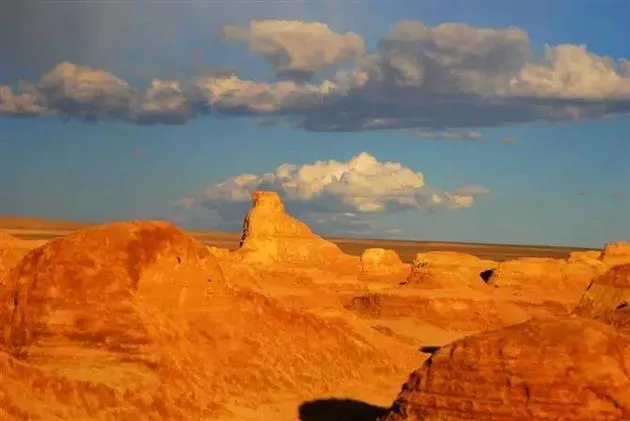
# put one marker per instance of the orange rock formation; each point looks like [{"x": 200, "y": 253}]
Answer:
[
  {"x": 572, "y": 369},
  {"x": 606, "y": 293},
  {"x": 135, "y": 320},
  {"x": 445, "y": 269},
  {"x": 271, "y": 236}
]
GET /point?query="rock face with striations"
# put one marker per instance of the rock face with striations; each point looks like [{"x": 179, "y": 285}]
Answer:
[
  {"x": 446, "y": 269},
  {"x": 606, "y": 293},
  {"x": 554, "y": 369},
  {"x": 271, "y": 236},
  {"x": 92, "y": 285}
]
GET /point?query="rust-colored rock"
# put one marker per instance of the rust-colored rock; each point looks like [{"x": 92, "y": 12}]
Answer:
[
  {"x": 446, "y": 269},
  {"x": 271, "y": 236},
  {"x": 616, "y": 253},
  {"x": 555, "y": 369},
  {"x": 135, "y": 320},
  {"x": 379, "y": 263},
  {"x": 545, "y": 276},
  {"x": 467, "y": 313},
  {"x": 87, "y": 285},
  {"x": 606, "y": 293}
]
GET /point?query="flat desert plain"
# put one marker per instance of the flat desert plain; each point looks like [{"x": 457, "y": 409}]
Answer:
[
  {"x": 134, "y": 320},
  {"x": 28, "y": 228}
]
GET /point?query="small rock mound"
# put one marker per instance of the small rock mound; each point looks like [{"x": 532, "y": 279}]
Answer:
[
  {"x": 446, "y": 269},
  {"x": 555, "y": 369},
  {"x": 616, "y": 253},
  {"x": 382, "y": 263},
  {"x": 606, "y": 293},
  {"x": 272, "y": 236}
]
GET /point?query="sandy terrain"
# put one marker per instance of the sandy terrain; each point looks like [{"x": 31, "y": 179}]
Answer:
[{"x": 140, "y": 320}]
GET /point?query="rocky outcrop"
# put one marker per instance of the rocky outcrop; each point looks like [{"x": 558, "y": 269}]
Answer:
[
  {"x": 555, "y": 369},
  {"x": 458, "y": 313},
  {"x": 271, "y": 236},
  {"x": 545, "y": 276},
  {"x": 445, "y": 269},
  {"x": 616, "y": 253},
  {"x": 382, "y": 264},
  {"x": 67, "y": 279},
  {"x": 135, "y": 320},
  {"x": 606, "y": 293}
]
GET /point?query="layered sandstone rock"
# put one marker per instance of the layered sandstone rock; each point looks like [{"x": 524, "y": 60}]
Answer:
[
  {"x": 446, "y": 269},
  {"x": 616, "y": 253},
  {"x": 472, "y": 312},
  {"x": 543, "y": 276},
  {"x": 379, "y": 263},
  {"x": 135, "y": 320},
  {"x": 619, "y": 319},
  {"x": 271, "y": 236},
  {"x": 91, "y": 285},
  {"x": 555, "y": 369},
  {"x": 606, "y": 293}
]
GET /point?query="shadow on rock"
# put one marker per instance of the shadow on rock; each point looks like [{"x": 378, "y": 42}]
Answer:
[{"x": 339, "y": 410}]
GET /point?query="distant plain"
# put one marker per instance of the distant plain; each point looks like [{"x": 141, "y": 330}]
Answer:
[{"x": 43, "y": 229}]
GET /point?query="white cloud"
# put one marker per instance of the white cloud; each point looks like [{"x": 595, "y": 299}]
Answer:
[
  {"x": 297, "y": 48},
  {"x": 328, "y": 192},
  {"x": 444, "y": 82}
]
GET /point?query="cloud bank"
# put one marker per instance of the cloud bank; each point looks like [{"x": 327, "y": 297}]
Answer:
[
  {"x": 334, "y": 193},
  {"x": 451, "y": 78}
]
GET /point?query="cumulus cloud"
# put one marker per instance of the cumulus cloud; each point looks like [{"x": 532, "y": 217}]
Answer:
[
  {"x": 297, "y": 48},
  {"x": 330, "y": 192},
  {"x": 89, "y": 94},
  {"x": 444, "y": 82}
]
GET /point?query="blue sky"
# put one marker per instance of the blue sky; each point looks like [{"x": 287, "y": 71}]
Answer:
[{"x": 564, "y": 179}]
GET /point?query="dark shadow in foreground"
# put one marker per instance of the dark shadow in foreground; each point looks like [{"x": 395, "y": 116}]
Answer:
[{"x": 339, "y": 410}]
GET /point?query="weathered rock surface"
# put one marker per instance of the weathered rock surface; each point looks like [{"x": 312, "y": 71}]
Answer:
[
  {"x": 379, "y": 263},
  {"x": 135, "y": 320},
  {"x": 271, "y": 236},
  {"x": 606, "y": 293},
  {"x": 445, "y": 269},
  {"x": 616, "y": 253},
  {"x": 556, "y": 369},
  {"x": 545, "y": 276},
  {"x": 464, "y": 313}
]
